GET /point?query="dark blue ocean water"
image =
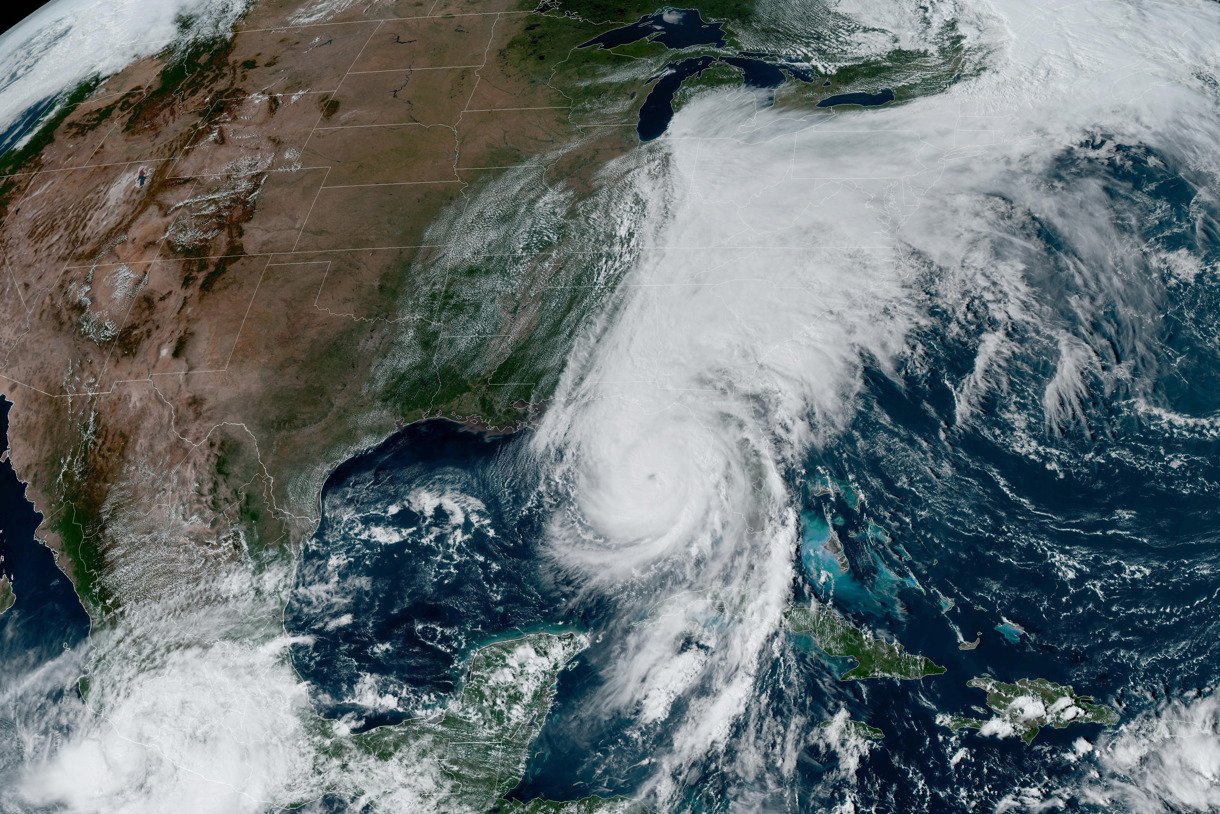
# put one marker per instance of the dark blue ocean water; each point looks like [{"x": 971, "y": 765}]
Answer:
[
  {"x": 429, "y": 545},
  {"x": 47, "y": 616},
  {"x": 12, "y": 134},
  {"x": 46, "y": 620},
  {"x": 1080, "y": 538}
]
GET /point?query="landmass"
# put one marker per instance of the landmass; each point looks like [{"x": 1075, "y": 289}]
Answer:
[
  {"x": 480, "y": 743},
  {"x": 1011, "y": 631},
  {"x": 849, "y": 728},
  {"x": 231, "y": 266},
  {"x": 835, "y": 487},
  {"x": 7, "y": 597},
  {"x": 588, "y": 805},
  {"x": 875, "y": 657},
  {"x": 1027, "y": 706}
]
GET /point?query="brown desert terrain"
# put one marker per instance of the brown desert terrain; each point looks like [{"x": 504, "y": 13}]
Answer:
[{"x": 204, "y": 264}]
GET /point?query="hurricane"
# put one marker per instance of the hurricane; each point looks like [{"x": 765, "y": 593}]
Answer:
[
  {"x": 969, "y": 336},
  {"x": 88, "y": 39}
]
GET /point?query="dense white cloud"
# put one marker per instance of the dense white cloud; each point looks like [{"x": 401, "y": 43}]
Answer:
[
  {"x": 1166, "y": 759},
  {"x": 192, "y": 706},
  {"x": 784, "y": 252},
  {"x": 68, "y": 41},
  {"x": 773, "y": 255}
]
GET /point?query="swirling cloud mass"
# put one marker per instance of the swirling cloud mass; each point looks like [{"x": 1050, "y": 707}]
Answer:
[{"x": 775, "y": 257}]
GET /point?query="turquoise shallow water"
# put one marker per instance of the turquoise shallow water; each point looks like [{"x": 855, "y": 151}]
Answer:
[
  {"x": 1084, "y": 554},
  {"x": 1075, "y": 539}
]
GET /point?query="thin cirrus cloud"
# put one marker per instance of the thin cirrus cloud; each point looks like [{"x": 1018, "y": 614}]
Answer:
[{"x": 774, "y": 257}]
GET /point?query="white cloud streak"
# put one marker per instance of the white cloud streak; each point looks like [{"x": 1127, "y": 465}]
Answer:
[
  {"x": 776, "y": 257},
  {"x": 67, "y": 41},
  {"x": 786, "y": 253}
]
